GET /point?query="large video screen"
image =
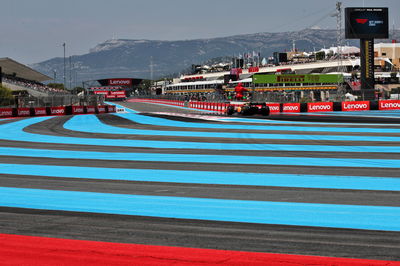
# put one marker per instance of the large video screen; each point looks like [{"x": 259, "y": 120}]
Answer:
[{"x": 367, "y": 23}]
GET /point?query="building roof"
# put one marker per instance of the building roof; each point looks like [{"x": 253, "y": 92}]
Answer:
[
  {"x": 10, "y": 66},
  {"x": 386, "y": 45}
]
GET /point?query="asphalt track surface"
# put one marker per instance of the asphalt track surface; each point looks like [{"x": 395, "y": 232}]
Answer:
[{"x": 307, "y": 185}]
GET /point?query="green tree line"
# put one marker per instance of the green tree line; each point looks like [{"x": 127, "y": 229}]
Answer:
[{"x": 6, "y": 97}]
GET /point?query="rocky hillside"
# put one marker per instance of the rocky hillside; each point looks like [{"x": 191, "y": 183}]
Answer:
[{"x": 132, "y": 58}]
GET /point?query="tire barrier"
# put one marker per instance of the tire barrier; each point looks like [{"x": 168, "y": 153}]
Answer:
[{"x": 55, "y": 111}]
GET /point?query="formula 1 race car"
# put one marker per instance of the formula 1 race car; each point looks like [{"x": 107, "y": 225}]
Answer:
[{"x": 247, "y": 109}]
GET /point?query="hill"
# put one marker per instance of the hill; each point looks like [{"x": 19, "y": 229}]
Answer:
[{"x": 132, "y": 58}]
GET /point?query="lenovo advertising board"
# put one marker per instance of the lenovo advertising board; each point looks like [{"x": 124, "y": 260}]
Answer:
[
  {"x": 57, "y": 110},
  {"x": 389, "y": 105},
  {"x": 120, "y": 82},
  {"x": 6, "y": 112},
  {"x": 40, "y": 111},
  {"x": 24, "y": 111},
  {"x": 100, "y": 109},
  {"x": 118, "y": 94},
  {"x": 291, "y": 108},
  {"x": 320, "y": 107},
  {"x": 274, "y": 107},
  {"x": 90, "y": 109},
  {"x": 356, "y": 106},
  {"x": 111, "y": 109},
  {"x": 366, "y": 23},
  {"x": 77, "y": 110}
]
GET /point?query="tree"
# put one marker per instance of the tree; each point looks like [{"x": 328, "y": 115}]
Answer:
[
  {"x": 78, "y": 89},
  {"x": 320, "y": 55},
  {"x": 6, "y": 97},
  {"x": 59, "y": 86}
]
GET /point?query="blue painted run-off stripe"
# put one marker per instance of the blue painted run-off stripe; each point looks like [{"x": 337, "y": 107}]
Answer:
[
  {"x": 14, "y": 131},
  {"x": 137, "y": 118},
  {"x": 200, "y": 158},
  {"x": 207, "y": 177},
  {"x": 264, "y": 212},
  {"x": 92, "y": 124}
]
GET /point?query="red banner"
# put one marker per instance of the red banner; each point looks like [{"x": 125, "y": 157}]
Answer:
[
  {"x": 120, "y": 82},
  {"x": 24, "y": 111},
  {"x": 253, "y": 69},
  {"x": 100, "y": 92},
  {"x": 118, "y": 94},
  {"x": 6, "y": 112},
  {"x": 236, "y": 71},
  {"x": 90, "y": 109},
  {"x": 274, "y": 107},
  {"x": 111, "y": 108},
  {"x": 320, "y": 107},
  {"x": 57, "y": 110},
  {"x": 101, "y": 109},
  {"x": 389, "y": 105},
  {"x": 77, "y": 110},
  {"x": 40, "y": 111},
  {"x": 291, "y": 108},
  {"x": 355, "y": 106}
]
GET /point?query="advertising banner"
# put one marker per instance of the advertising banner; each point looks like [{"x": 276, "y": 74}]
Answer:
[
  {"x": 389, "y": 105},
  {"x": 100, "y": 92},
  {"x": 291, "y": 79},
  {"x": 236, "y": 71},
  {"x": 40, "y": 111},
  {"x": 6, "y": 112},
  {"x": 90, "y": 109},
  {"x": 118, "y": 94},
  {"x": 274, "y": 107},
  {"x": 24, "y": 111},
  {"x": 356, "y": 106},
  {"x": 320, "y": 107},
  {"x": 291, "y": 108},
  {"x": 77, "y": 110},
  {"x": 57, "y": 110},
  {"x": 253, "y": 69},
  {"x": 111, "y": 108},
  {"x": 101, "y": 109},
  {"x": 120, "y": 82}
]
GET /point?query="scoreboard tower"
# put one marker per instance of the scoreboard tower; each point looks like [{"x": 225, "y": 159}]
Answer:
[{"x": 367, "y": 24}]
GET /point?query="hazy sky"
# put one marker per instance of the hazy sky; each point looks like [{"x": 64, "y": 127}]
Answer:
[{"x": 34, "y": 30}]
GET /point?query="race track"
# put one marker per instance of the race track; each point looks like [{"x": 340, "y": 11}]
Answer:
[{"x": 310, "y": 186}]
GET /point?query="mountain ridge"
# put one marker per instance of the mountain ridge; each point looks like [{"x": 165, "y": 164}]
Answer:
[{"x": 132, "y": 58}]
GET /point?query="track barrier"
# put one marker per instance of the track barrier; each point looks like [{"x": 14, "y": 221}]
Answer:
[
  {"x": 275, "y": 108},
  {"x": 55, "y": 111}
]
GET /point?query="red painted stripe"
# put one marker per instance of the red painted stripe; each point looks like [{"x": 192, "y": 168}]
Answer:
[{"x": 30, "y": 250}]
